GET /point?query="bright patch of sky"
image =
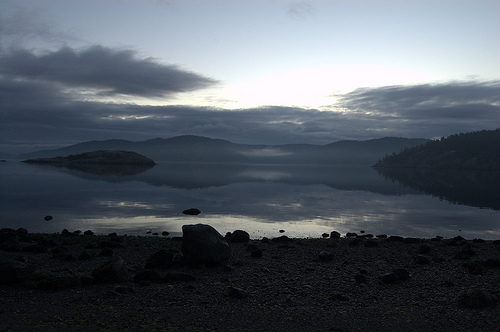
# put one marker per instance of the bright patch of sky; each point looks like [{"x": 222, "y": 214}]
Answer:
[{"x": 284, "y": 52}]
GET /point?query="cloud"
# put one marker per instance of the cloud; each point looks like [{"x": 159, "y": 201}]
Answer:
[
  {"x": 36, "y": 112},
  {"x": 110, "y": 72},
  {"x": 426, "y": 110},
  {"x": 300, "y": 10}
]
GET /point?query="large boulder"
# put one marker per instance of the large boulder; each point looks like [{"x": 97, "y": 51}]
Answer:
[
  {"x": 113, "y": 271},
  {"x": 13, "y": 272},
  {"x": 202, "y": 244}
]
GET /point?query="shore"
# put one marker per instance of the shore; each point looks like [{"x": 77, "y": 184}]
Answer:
[{"x": 355, "y": 283}]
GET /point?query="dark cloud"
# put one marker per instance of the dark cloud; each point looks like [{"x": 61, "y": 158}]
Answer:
[
  {"x": 426, "y": 110},
  {"x": 109, "y": 71}
]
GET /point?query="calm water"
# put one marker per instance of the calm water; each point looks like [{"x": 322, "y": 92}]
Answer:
[{"x": 305, "y": 201}]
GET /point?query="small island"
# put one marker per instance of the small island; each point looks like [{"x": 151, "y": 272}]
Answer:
[
  {"x": 102, "y": 162},
  {"x": 102, "y": 157}
]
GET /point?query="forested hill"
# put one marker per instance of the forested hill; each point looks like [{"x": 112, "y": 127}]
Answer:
[{"x": 475, "y": 150}]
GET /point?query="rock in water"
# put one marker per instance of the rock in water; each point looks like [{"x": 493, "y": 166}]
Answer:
[
  {"x": 202, "y": 244},
  {"x": 113, "y": 271},
  {"x": 192, "y": 212}
]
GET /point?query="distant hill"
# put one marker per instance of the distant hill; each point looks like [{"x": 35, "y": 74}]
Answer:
[
  {"x": 202, "y": 150},
  {"x": 475, "y": 150}
]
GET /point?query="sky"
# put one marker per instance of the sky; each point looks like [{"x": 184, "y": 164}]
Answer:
[{"x": 255, "y": 72}]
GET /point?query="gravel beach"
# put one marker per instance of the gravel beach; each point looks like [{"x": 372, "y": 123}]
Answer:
[{"x": 49, "y": 282}]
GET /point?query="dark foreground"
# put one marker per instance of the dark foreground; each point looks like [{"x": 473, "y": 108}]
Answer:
[{"x": 344, "y": 284}]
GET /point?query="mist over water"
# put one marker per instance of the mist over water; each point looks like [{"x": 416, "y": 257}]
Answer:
[{"x": 305, "y": 201}]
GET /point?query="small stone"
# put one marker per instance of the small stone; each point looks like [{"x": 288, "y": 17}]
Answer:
[
  {"x": 371, "y": 243},
  {"x": 419, "y": 259},
  {"x": 48, "y": 218},
  {"x": 108, "y": 252},
  {"x": 360, "y": 278},
  {"x": 477, "y": 298},
  {"x": 395, "y": 238},
  {"x": 424, "y": 249},
  {"x": 325, "y": 256},
  {"x": 282, "y": 231},
  {"x": 165, "y": 233},
  {"x": 160, "y": 259},
  {"x": 192, "y": 212},
  {"x": 325, "y": 235},
  {"x": 84, "y": 256},
  {"x": 237, "y": 293},
  {"x": 257, "y": 253}
]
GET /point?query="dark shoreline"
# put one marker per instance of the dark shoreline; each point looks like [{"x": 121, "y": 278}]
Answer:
[{"x": 336, "y": 284}]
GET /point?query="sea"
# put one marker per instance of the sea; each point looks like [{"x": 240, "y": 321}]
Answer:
[{"x": 300, "y": 201}]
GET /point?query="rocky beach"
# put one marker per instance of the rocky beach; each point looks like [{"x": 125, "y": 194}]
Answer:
[{"x": 78, "y": 281}]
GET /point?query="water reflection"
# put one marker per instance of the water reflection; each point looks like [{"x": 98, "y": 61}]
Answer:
[
  {"x": 305, "y": 201},
  {"x": 478, "y": 188}
]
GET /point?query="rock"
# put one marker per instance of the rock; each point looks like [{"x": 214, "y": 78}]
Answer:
[
  {"x": 424, "y": 249},
  {"x": 334, "y": 235},
  {"x": 165, "y": 233},
  {"x": 239, "y": 236},
  {"x": 149, "y": 275},
  {"x": 360, "y": 278},
  {"x": 35, "y": 248},
  {"x": 411, "y": 240},
  {"x": 325, "y": 256},
  {"x": 124, "y": 290},
  {"x": 14, "y": 272},
  {"x": 110, "y": 244},
  {"x": 177, "y": 276},
  {"x": 351, "y": 234},
  {"x": 48, "y": 218},
  {"x": 477, "y": 298},
  {"x": 395, "y": 238},
  {"x": 325, "y": 235},
  {"x": 282, "y": 231},
  {"x": 85, "y": 255},
  {"x": 419, "y": 259},
  {"x": 371, "y": 243},
  {"x": 256, "y": 253},
  {"x": 8, "y": 235},
  {"x": 59, "y": 283},
  {"x": 382, "y": 236},
  {"x": 477, "y": 268},
  {"x": 237, "y": 293},
  {"x": 202, "y": 244},
  {"x": 397, "y": 275},
  {"x": 281, "y": 239},
  {"x": 106, "y": 252},
  {"x": 160, "y": 259},
  {"x": 251, "y": 247},
  {"x": 113, "y": 271},
  {"x": 192, "y": 212},
  {"x": 88, "y": 232}
]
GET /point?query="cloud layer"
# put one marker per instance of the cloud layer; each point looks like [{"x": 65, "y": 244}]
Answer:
[
  {"x": 43, "y": 103},
  {"x": 110, "y": 72}
]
